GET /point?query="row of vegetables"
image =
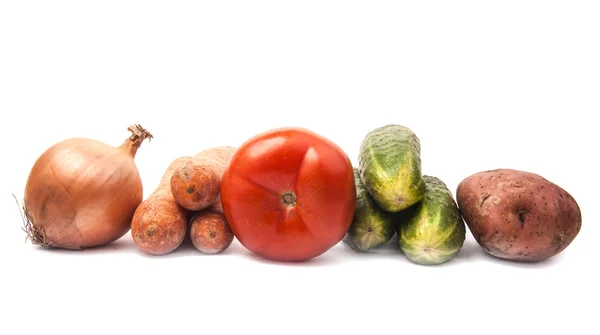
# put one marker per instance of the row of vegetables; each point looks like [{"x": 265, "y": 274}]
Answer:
[{"x": 289, "y": 194}]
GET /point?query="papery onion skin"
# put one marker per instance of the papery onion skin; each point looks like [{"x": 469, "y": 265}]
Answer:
[{"x": 83, "y": 193}]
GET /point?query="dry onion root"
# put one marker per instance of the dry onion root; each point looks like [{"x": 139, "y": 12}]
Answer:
[{"x": 83, "y": 193}]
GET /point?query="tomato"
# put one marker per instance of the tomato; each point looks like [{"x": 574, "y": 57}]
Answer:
[{"x": 288, "y": 194}]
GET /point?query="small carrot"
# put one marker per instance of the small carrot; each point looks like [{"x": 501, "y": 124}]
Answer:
[
  {"x": 159, "y": 224},
  {"x": 195, "y": 184},
  {"x": 210, "y": 233}
]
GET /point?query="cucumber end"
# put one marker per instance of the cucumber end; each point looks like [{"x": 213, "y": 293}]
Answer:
[{"x": 428, "y": 255}]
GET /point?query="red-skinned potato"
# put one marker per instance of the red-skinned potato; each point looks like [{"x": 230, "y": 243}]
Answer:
[{"x": 518, "y": 215}]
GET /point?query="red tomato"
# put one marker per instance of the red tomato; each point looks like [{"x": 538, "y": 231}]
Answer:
[{"x": 288, "y": 194}]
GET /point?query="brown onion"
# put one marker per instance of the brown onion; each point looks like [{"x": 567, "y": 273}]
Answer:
[{"x": 82, "y": 193}]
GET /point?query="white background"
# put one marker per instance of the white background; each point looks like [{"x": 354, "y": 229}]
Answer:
[{"x": 484, "y": 84}]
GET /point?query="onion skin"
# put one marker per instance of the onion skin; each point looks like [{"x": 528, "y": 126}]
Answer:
[{"x": 82, "y": 193}]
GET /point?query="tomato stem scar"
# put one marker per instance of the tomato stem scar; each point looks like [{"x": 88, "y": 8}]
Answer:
[{"x": 288, "y": 199}]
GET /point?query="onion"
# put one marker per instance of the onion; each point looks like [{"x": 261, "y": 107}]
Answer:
[{"x": 83, "y": 193}]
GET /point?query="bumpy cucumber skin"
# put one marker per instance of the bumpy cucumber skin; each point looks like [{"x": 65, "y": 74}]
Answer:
[
  {"x": 432, "y": 231},
  {"x": 368, "y": 215},
  {"x": 390, "y": 167}
]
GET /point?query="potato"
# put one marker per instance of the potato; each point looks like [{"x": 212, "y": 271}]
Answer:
[{"x": 518, "y": 215}]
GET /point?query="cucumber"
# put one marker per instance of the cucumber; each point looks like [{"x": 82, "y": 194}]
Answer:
[
  {"x": 433, "y": 230},
  {"x": 371, "y": 226},
  {"x": 390, "y": 167}
]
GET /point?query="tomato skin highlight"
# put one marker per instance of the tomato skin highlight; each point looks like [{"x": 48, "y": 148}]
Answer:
[{"x": 288, "y": 194}]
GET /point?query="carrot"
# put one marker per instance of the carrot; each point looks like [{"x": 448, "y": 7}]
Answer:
[
  {"x": 159, "y": 224},
  {"x": 210, "y": 233},
  {"x": 195, "y": 184}
]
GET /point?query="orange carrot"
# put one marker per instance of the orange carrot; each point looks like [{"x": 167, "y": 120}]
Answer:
[
  {"x": 195, "y": 184},
  {"x": 159, "y": 224},
  {"x": 210, "y": 233}
]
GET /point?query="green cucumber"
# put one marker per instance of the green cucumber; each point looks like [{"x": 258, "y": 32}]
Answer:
[
  {"x": 371, "y": 226},
  {"x": 432, "y": 231},
  {"x": 390, "y": 167}
]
